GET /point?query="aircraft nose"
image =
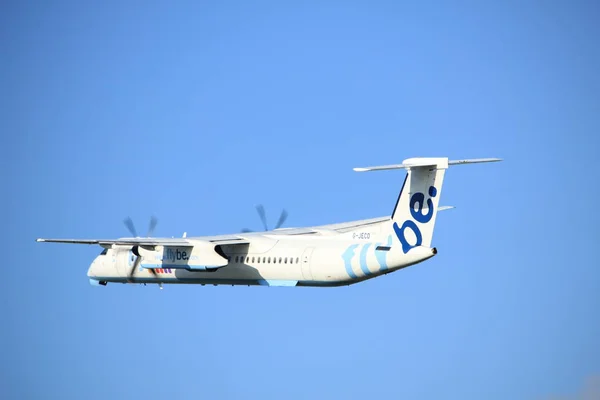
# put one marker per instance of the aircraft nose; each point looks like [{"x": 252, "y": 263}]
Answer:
[
  {"x": 95, "y": 270},
  {"x": 92, "y": 269},
  {"x": 95, "y": 267}
]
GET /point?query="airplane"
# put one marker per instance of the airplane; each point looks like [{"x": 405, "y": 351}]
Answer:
[{"x": 319, "y": 256}]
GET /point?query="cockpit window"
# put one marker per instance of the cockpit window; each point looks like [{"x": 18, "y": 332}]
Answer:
[{"x": 104, "y": 252}]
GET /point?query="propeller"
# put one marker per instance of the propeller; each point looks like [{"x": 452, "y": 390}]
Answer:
[
  {"x": 131, "y": 227},
  {"x": 261, "y": 213},
  {"x": 135, "y": 249}
]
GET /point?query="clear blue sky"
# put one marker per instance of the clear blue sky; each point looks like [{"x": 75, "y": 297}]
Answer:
[{"x": 197, "y": 111}]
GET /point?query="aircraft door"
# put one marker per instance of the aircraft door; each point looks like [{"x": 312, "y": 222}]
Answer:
[{"x": 306, "y": 273}]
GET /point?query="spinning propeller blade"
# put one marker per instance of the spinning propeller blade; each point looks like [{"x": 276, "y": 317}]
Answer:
[
  {"x": 260, "y": 209},
  {"x": 130, "y": 227},
  {"x": 282, "y": 218},
  {"x": 261, "y": 213},
  {"x": 153, "y": 222},
  {"x": 138, "y": 259},
  {"x": 136, "y": 264}
]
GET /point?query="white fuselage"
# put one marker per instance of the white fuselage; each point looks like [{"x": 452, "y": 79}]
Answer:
[{"x": 327, "y": 259}]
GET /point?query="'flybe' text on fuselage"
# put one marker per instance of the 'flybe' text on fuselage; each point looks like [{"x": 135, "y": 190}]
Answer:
[{"x": 174, "y": 255}]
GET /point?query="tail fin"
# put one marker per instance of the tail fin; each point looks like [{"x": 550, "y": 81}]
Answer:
[{"x": 414, "y": 215}]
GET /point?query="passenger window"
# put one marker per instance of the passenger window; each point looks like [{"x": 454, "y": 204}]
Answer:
[
  {"x": 269, "y": 260},
  {"x": 285, "y": 260},
  {"x": 237, "y": 258},
  {"x": 279, "y": 260},
  {"x": 264, "y": 259},
  {"x": 252, "y": 259},
  {"x": 296, "y": 260}
]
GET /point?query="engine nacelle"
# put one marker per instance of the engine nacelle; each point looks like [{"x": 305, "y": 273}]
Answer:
[{"x": 199, "y": 256}]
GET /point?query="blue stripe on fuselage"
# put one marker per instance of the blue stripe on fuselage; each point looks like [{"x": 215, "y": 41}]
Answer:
[{"x": 363, "y": 259}]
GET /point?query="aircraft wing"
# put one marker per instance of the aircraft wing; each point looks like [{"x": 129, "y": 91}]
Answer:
[
  {"x": 207, "y": 254},
  {"x": 224, "y": 240},
  {"x": 124, "y": 241},
  {"x": 349, "y": 226},
  {"x": 147, "y": 242},
  {"x": 326, "y": 229},
  {"x": 339, "y": 227}
]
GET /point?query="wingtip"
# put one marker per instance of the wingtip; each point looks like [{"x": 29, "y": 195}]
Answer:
[{"x": 360, "y": 169}]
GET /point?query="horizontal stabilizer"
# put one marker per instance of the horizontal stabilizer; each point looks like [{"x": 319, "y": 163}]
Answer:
[
  {"x": 423, "y": 162},
  {"x": 473, "y": 161},
  {"x": 392, "y": 166}
]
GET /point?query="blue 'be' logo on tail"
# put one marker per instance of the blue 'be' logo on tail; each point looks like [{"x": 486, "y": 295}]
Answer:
[{"x": 417, "y": 214}]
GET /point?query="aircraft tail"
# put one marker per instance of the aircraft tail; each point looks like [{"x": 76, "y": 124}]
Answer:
[{"x": 414, "y": 215}]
